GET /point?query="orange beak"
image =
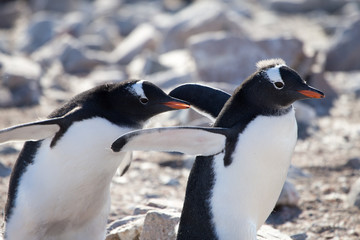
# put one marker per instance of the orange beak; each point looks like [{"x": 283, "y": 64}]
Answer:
[
  {"x": 177, "y": 105},
  {"x": 312, "y": 93}
]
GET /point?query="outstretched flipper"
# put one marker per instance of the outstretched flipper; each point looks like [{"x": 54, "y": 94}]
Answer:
[
  {"x": 188, "y": 140},
  {"x": 30, "y": 131},
  {"x": 38, "y": 130},
  {"x": 209, "y": 101}
]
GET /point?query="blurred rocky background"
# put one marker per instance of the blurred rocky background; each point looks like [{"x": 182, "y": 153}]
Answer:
[{"x": 51, "y": 50}]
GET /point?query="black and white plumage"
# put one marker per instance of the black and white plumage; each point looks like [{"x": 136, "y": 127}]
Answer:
[
  {"x": 232, "y": 190},
  {"x": 60, "y": 184}
]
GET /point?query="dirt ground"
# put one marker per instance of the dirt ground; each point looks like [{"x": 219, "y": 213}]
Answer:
[{"x": 323, "y": 211}]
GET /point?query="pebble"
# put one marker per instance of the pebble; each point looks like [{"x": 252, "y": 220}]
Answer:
[
  {"x": 354, "y": 194},
  {"x": 40, "y": 30},
  {"x": 300, "y": 6},
  {"x": 200, "y": 17},
  {"x": 353, "y": 163},
  {"x": 160, "y": 224},
  {"x": 4, "y": 171},
  {"x": 55, "y": 6},
  {"x": 77, "y": 60},
  {"x": 143, "y": 37},
  {"x": 299, "y": 236},
  {"x": 288, "y": 196},
  {"x": 9, "y": 13},
  {"x": 341, "y": 55},
  {"x": 21, "y": 77},
  {"x": 226, "y": 57}
]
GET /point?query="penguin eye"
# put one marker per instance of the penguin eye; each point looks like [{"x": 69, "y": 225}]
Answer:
[
  {"x": 279, "y": 85},
  {"x": 144, "y": 100}
]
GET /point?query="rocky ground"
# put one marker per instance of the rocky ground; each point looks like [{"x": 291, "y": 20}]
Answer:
[{"x": 49, "y": 52}]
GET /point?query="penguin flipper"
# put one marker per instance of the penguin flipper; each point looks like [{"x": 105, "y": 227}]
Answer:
[
  {"x": 188, "y": 140},
  {"x": 209, "y": 101},
  {"x": 32, "y": 131}
]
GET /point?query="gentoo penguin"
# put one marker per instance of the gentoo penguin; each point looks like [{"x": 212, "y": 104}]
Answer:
[
  {"x": 60, "y": 184},
  {"x": 243, "y": 159}
]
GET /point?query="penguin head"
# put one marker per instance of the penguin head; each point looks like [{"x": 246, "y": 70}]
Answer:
[
  {"x": 133, "y": 100},
  {"x": 275, "y": 85}
]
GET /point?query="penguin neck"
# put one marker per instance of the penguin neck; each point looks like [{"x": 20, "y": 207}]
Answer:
[
  {"x": 237, "y": 114},
  {"x": 239, "y": 111},
  {"x": 121, "y": 120}
]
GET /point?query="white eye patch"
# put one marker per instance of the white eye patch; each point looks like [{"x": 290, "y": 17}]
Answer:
[
  {"x": 274, "y": 74},
  {"x": 137, "y": 89}
]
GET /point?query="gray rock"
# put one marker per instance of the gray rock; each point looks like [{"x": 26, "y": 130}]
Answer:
[
  {"x": 168, "y": 180},
  {"x": 56, "y": 6},
  {"x": 76, "y": 59},
  {"x": 288, "y": 196},
  {"x": 160, "y": 224},
  {"x": 200, "y": 17},
  {"x": 130, "y": 16},
  {"x": 229, "y": 58},
  {"x": 110, "y": 35},
  {"x": 5, "y": 98},
  {"x": 4, "y": 171},
  {"x": 7, "y": 150},
  {"x": 345, "y": 50},
  {"x": 300, "y": 6},
  {"x": 142, "y": 209},
  {"x": 40, "y": 30},
  {"x": 106, "y": 7},
  {"x": 21, "y": 77},
  {"x": 129, "y": 230},
  {"x": 299, "y": 236},
  {"x": 164, "y": 203},
  {"x": 353, "y": 163},
  {"x": 93, "y": 42},
  {"x": 17, "y": 71},
  {"x": 267, "y": 232},
  {"x": 222, "y": 57},
  {"x": 123, "y": 221},
  {"x": 357, "y": 93},
  {"x": 52, "y": 51},
  {"x": 289, "y": 49},
  {"x": 296, "y": 173},
  {"x": 74, "y": 23},
  {"x": 145, "y": 64},
  {"x": 174, "y": 5},
  {"x": 5, "y": 43},
  {"x": 9, "y": 12},
  {"x": 354, "y": 194},
  {"x": 143, "y": 37},
  {"x": 178, "y": 59}
]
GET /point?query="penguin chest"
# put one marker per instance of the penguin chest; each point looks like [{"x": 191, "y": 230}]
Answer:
[
  {"x": 246, "y": 191},
  {"x": 67, "y": 186}
]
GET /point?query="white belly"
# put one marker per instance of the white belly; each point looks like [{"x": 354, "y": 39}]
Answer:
[
  {"x": 65, "y": 194},
  {"x": 246, "y": 191}
]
